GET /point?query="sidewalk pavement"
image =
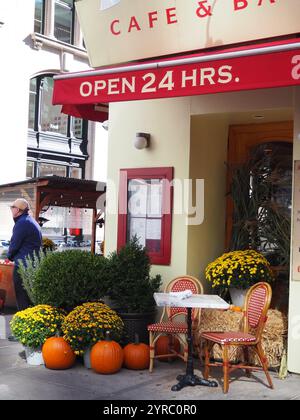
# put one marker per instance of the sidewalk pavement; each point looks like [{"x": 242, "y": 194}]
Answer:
[{"x": 19, "y": 381}]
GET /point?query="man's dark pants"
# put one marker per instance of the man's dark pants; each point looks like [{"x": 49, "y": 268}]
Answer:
[{"x": 23, "y": 301}]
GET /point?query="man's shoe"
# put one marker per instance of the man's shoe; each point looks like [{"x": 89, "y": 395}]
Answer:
[{"x": 12, "y": 338}]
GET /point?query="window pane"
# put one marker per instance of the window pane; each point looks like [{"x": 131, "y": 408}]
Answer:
[
  {"x": 77, "y": 127},
  {"x": 63, "y": 21},
  {"x": 29, "y": 169},
  {"x": 68, "y": 227},
  {"x": 38, "y": 16},
  {"x": 32, "y": 104},
  {"x": 145, "y": 213},
  {"x": 48, "y": 169},
  {"x": 51, "y": 118},
  {"x": 76, "y": 173}
]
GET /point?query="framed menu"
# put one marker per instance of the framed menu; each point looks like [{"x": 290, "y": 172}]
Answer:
[{"x": 145, "y": 210}]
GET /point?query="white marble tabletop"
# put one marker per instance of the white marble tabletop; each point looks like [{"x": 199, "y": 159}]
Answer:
[{"x": 194, "y": 301}]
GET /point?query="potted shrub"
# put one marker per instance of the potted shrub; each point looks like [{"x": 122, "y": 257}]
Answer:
[
  {"x": 33, "y": 326},
  {"x": 65, "y": 279},
  {"x": 89, "y": 323},
  {"x": 238, "y": 271},
  {"x": 131, "y": 289}
]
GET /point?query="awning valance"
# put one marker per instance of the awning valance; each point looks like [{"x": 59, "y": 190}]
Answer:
[{"x": 248, "y": 68}]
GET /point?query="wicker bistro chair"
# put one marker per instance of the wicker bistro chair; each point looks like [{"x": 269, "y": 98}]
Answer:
[
  {"x": 257, "y": 303},
  {"x": 169, "y": 324}
]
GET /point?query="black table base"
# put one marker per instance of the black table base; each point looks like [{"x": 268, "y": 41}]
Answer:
[{"x": 190, "y": 379}]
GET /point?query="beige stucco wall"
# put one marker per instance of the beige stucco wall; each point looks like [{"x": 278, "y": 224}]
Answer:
[
  {"x": 294, "y": 307},
  {"x": 190, "y": 134},
  {"x": 168, "y": 122},
  {"x": 209, "y": 137}
]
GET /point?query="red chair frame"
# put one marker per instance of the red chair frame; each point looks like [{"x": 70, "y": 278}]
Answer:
[{"x": 257, "y": 303}]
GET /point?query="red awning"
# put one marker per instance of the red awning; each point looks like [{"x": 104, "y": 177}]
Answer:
[{"x": 253, "y": 67}]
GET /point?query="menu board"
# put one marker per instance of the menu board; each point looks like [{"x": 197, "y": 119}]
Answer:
[{"x": 145, "y": 212}]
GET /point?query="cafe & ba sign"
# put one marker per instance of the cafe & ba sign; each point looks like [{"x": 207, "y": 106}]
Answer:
[{"x": 119, "y": 31}]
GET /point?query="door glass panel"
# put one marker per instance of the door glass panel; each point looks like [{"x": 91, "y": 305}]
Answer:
[{"x": 262, "y": 198}]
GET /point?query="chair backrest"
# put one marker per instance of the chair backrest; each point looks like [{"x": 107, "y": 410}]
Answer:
[
  {"x": 179, "y": 284},
  {"x": 257, "y": 304}
]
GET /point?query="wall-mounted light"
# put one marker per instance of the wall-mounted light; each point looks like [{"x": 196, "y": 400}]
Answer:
[
  {"x": 142, "y": 141},
  {"x": 105, "y": 125}
]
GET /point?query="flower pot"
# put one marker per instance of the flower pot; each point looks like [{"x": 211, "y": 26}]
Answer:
[
  {"x": 238, "y": 296},
  {"x": 34, "y": 357},
  {"x": 135, "y": 323},
  {"x": 87, "y": 359}
]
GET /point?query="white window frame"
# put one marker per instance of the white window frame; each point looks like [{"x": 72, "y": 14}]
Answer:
[{"x": 49, "y": 23}]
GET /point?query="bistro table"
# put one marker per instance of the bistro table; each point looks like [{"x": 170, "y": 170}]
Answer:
[{"x": 194, "y": 301}]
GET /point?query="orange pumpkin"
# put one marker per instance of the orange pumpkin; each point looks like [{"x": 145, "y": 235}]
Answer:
[
  {"x": 107, "y": 357},
  {"x": 58, "y": 354},
  {"x": 137, "y": 355},
  {"x": 163, "y": 346}
]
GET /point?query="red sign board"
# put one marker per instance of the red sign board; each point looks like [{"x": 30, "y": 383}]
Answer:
[{"x": 259, "y": 71}]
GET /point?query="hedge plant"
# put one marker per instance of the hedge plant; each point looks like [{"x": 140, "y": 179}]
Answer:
[{"x": 69, "y": 278}]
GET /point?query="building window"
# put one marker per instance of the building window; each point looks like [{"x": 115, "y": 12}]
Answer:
[
  {"x": 51, "y": 119},
  {"x": 64, "y": 20},
  {"x": 29, "y": 169},
  {"x": 76, "y": 173},
  {"x": 57, "y": 143},
  {"x": 47, "y": 118},
  {"x": 48, "y": 169},
  {"x": 39, "y": 13},
  {"x": 57, "y": 19},
  {"x": 145, "y": 211}
]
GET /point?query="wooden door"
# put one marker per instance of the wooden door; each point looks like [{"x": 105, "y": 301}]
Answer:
[{"x": 242, "y": 139}]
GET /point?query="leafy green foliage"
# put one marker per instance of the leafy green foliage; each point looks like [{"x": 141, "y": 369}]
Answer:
[
  {"x": 70, "y": 278},
  {"x": 130, "y": 284},
  {"x": 261, "y": 194},
  {"x": 28, "y": 273}
]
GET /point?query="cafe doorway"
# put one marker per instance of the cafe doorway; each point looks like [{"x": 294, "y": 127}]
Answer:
[{"x": 259, "y": 196}]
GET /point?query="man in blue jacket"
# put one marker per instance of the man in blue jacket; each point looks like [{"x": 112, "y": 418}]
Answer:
[{"x": 26, "y": 240}]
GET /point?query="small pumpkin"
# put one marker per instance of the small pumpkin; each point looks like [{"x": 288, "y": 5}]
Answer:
[
  {"x": 107, "y": 356},
  {"x": 164, "y": 344},
  {"x": 58, "y": 354},
  {"x": 137, "y": 355}
]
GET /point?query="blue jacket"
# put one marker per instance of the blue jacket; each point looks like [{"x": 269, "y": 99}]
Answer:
[{"x": 26, "y": 239}]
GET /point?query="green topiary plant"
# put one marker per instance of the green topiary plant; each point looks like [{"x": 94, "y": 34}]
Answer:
[
  {"x": 69, "y": 278},
  {"x": 130, "y": 285}
]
